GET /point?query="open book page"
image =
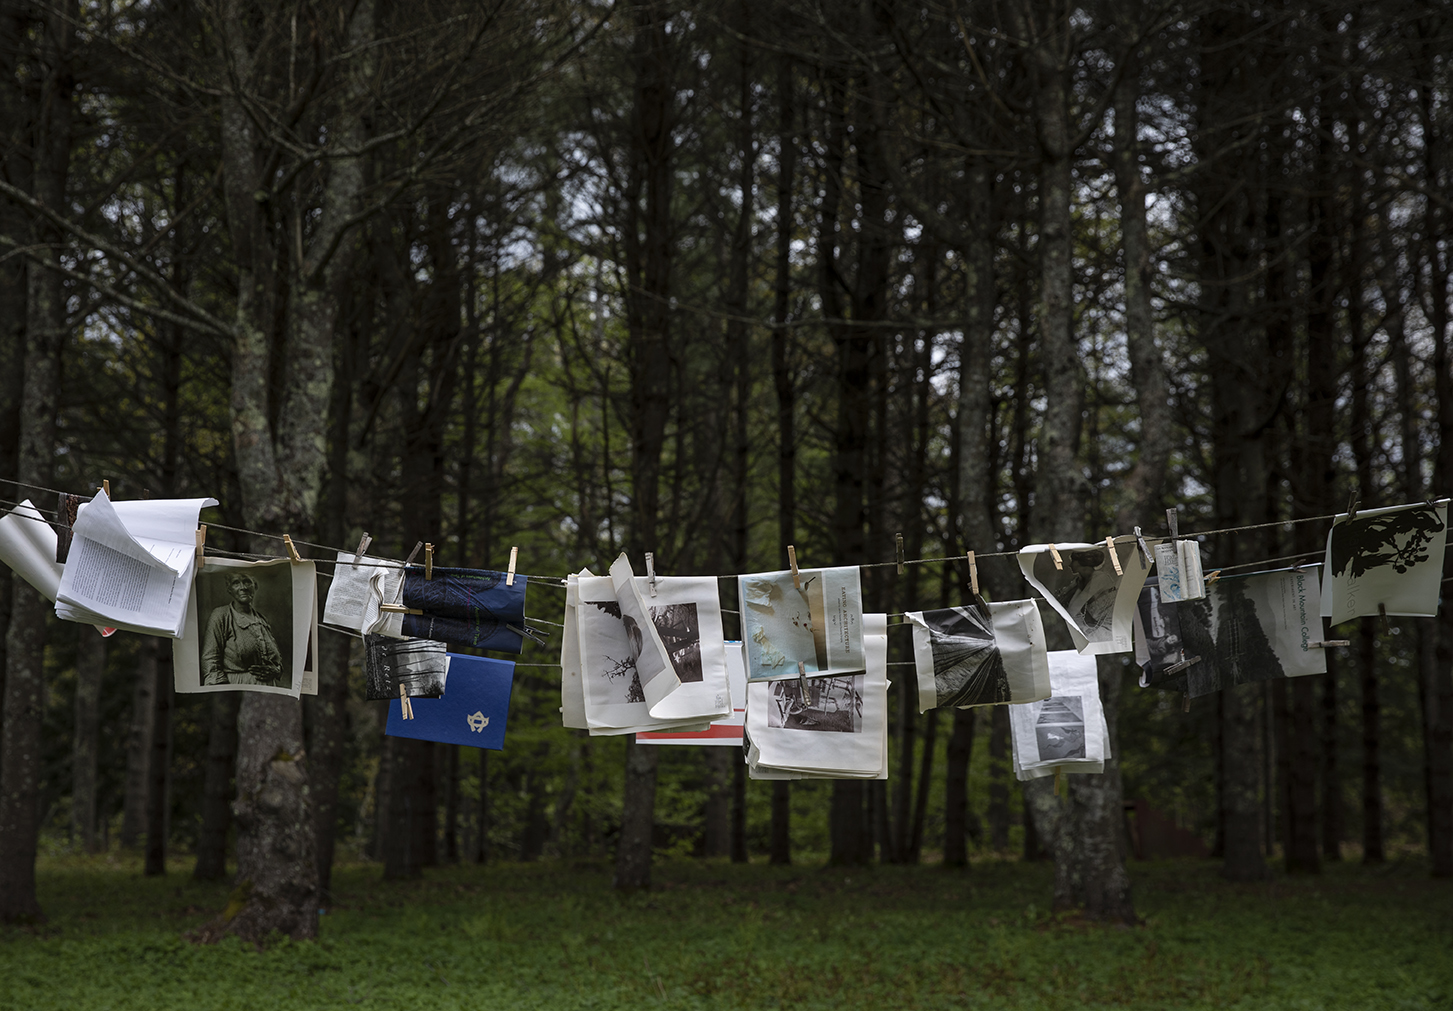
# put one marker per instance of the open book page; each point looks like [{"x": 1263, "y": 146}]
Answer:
[
  {"x": 358, "y": 589},
  {"x": 117, "y": 578}
]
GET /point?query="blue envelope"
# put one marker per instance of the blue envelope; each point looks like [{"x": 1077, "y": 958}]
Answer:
[{"x": 473, "y": 711}]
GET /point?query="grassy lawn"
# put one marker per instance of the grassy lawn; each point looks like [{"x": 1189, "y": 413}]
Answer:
[{"x": 717, "y": 936}]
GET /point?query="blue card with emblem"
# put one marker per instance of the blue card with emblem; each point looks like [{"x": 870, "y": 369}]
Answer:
[{"x": 472, "y": 711}]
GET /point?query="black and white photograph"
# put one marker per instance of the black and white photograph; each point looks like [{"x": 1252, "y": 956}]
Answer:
[
  {"x": 1159, "y": 642},
  {"x": 419, "y": 666},
  {"x": 611, "y": 645},
  {"x": 248, "y": 627},
  {"x": 1388, "y": 560},
  {"x": 1253, "y": 628},
  {"x": 833, "y": 704},
  {"x": 980, "y": 655},
  {"x": 1059, "y": 728},
  {"x": 1097, "y": 603},
  {"x": 819, "y": 625},
  {"x": 681, "y": 634}
]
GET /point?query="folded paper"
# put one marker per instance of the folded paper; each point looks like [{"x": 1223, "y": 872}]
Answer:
[{"x": 1096, "y": 602}]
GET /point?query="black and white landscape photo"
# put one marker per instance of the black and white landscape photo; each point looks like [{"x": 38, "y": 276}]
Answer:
[
  {"x": 1385, "y": 560},
  {"x": 420, "y": 666},
  {"x": 681, "y": 634},
  {"x": 1059, "y": 729}
]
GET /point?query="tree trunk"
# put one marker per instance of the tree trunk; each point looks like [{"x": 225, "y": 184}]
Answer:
[
  {"x": 716, "y": 841},
  {"x": 956, "y": 798},
  {"x": 159, "y": 788},
  {"x": 1372, "y": 849},
  {"x": 481, "y": 853},
  {"x": 999, "y": 771},
  {"x": 739, "y": 807},
  {"x": 138, "y": 745},
  {"x": 217, "y": 790},
  {"x": 90, "y": 669},
  {"x": 850, "y": 845},
  {"x": 925, "y": 779},
  {"x": 451, "y": 803},
  {"x": 633, "y": 855},
  {"x": 780, "y": 844},
  {"x": 1332, "y": 816}
]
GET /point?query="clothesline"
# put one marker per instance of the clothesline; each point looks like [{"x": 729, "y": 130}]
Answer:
[{"x": 562, "y": 581}]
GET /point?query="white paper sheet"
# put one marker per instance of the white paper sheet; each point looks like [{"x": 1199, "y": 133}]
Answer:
[
  {"x": 727, "y": 731},
  {"x": 356, "y": 592},
  {"x": 653, "y": 664},
  {"x": 839, "y": 731},
  {"x": 1391, "y": 557},
  {"x": 141, "y": 582},
  {"x": 1097, "y": 605},
  {"x": 301, "y": 579},
  {"x": 964, "y": 660},
  {"x": 1068, "y": 730},
  {"x": 572, "y": 683},
  {"x": 685, "y": 615},
  {"x": 28, "y": 545}
]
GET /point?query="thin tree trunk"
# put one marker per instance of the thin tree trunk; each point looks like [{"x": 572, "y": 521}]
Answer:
[
  {"x": 716, "y": 841},
  {"x": 999, "y": 769},
  {"x": 481, "y": 852},
  {"x": 217, "y": 790},
  {"x": 925, "y": 779},
  {"x": 451, "y": 803},
  {"x": 956, "y": 797},
  {"x": 780, "y": 844},
  {"x": 739, "y": 808},
  {"x": 138, "y": 745},
  {"x": 159, "y": 792},
  {"x": 633, "y": 855},
  {"x": 90, "y": 669},
  {"x": 1332, "y": 816},
  {"x": 1372, "y": 848}
]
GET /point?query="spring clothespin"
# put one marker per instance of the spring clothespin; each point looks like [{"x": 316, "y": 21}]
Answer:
[
  {"x": 1329, "y": 643},
  {"x": 406, "y": 708},
  {"x": 802, "y": 680},
  {"x": 898, "y": 542},
  {"x": 1059, "y": 563},
  {"x": 1114, "y": 555},
  {"x": 428, "y": 561},
  {"x": 1212, "y": 576},
  {"x": 363, "y": 543},
  {"x": 1382, "y": 613},
  {"x": 201, "y": 540},
  {"x": 106, "y": 487},
  {"x": 651, "y": 571},
  {"x": 1145, "y": 558},
  {"x": 1172, "y": 522},
  {"x": 792, "y": 561},
  {"x": 413, "y": 554},
  {"x": 292, "y": 551},
  {"x": 510, "y": 575},
  {"x": 973, "y": 574},
  {"x": 1352, "y": 503}
]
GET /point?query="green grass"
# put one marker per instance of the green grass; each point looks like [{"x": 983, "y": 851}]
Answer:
[{"x": 717, "y": 936}]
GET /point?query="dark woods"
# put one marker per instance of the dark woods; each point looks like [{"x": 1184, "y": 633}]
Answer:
[{"x": 707, "y": 281}]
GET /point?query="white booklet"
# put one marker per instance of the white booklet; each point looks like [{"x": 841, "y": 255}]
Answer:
[{"x": 131, "y": 565}]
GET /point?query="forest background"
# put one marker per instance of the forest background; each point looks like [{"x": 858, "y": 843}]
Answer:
[{"x": 708, "y": 280}]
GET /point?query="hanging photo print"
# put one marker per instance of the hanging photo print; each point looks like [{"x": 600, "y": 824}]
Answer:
[
  {"x": 249, "y": 627},
  {"x": 1066, "y": 731},
  {"x": 726, "y": 731},
  {"x": 683, "y": 624},
  {"x": 420, "y": 666},
  {"x": 1385, "y": 559},
  {"x": 1160, "y": 646},
  {"x": 1096, "y": 601},
  {"x": 819, "y": 625},
  {"x": 466, "y": 607},
  {"x": 967, "y": 658},
  {"x": 837, "y": 728},
  {"x": 472, "y": 712},
  {"x": 1258, "y": 627}
]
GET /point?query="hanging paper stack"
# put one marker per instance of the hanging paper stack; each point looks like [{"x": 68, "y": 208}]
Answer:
[
  {"x": 832, "y": 727},
  {"x": 725, "y": 732},
  {"x": 642, "y": 653},
  {"x": 1385, "y": 562},
  {"x": 1094, "y": 587},
  {"x": 1067, "y": 731},
  {"x": 984, "y": 654}
]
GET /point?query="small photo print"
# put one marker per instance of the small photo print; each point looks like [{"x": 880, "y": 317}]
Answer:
[
  {"x": 968, "y": 668},
  {"x": 681, "y": 633},
  {"x": 246, "y": 618},
  {"x": 421, "y": 666},
  {"x": 819, "y": 625},
  {"x": 615, "y": 639},
  {"x": 833, "y": 704},
  {"x": 1059, "y": 729}
]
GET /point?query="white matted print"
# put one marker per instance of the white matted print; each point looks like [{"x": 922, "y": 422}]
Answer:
[
  {"x": 1391, "y": 557},
  {"x": 1096, "y": 602},
  {"x": 1066, "y": 731},
  {"x": 727, "y": 731},
  {"x": 965, "y": 657},
  {"x": 249, "y": 627},
  {"x": 819, "y": 625}
]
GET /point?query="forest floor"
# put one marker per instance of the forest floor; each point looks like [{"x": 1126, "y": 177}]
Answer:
[{"x": 712, "y": 935}]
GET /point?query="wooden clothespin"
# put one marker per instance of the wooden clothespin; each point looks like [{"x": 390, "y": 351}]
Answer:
[
  {"x": 1059, "y": 563},
  {"x": 201, "y": 540},
  {"x": 1172, "y": 522},
  {"x": 428, "y": 561},
  {"x": 413, "y": 554},
  {"x": 792, "y": 561},
  {"x": 651, "y": 571},
  {"x": 406, "y": 708},
  {"x": 292, "y": 551},
  {"x": 1382, "y": 613},
  {"x": 363, "y": 543},
  {"x": 1176, "y": 668},
  {"x": 802, "y": 680},
  {"x": 1352, "y": 503},
  {"x": 898, "y": 542},
  {"x": 1329, "y": 643},
  {"x": 1114, "y": 555},
  {"x": 1212, "y": 576},
  {"x": 510, "y": 575},
  {"x": 399, "y": 609},
  {"x": 973, "y": 574},
  {"x": 1145, "y": 557},
  {"x": 106, "y": 487}
]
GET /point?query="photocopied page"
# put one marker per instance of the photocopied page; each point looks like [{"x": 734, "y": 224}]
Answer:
[
  {"x": 27, "y": 545},
  {"x": 115, "y": 577}
]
